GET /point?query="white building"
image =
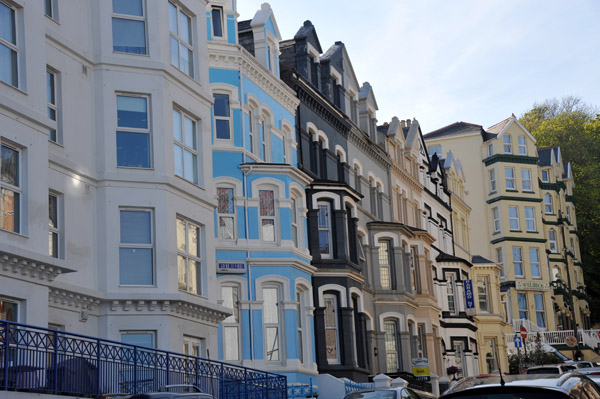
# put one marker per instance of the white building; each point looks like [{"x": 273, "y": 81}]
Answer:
[{"x": 107, "y": 202}]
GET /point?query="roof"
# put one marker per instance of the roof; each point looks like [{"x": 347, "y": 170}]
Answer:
[
  {"x": 331, "y": 51},
  {"x": 307, "y": 30},
  {"x": 545, "y": 155},
  {"x": 477, "y": 259},
  {"x": 497, "y": 128},
  {"x": 455, "y": 129},
  {"x": 444, "y": 257},
  {"x": 244, "y": 25}
]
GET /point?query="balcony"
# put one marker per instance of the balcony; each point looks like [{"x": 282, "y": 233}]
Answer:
[{"x": 42, "y": 360}]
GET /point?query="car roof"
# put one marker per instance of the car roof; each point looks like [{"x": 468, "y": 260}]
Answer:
[{"x": 561, "y": 383}]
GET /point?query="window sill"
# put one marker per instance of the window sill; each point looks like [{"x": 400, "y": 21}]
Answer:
[
  {"x": 497, "y": 232},
  {"x": 528, "y": 192},
  {"x": 134, "y": 168},
  {"x": 56, "y": 143},
  {"x": 493, "y": 192},
  {"x": 134, "y": 54},
  {"x": 15, "y": 233},
  {"x": 13, "y": 87},
  {"x": 532, "y": 231},
  {"x": 52, "y": 19},
  {"x": 137, "y": 286},
  {"x": 511, "y": 190},
  {"x": 185, "y": 180},
  {"x": 515, "y": 231}
]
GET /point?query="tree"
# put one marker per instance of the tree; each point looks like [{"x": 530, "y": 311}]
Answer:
[{"x": 575, "y": 127}]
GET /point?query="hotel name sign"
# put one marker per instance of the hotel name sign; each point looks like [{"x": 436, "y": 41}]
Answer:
[{"x": 528, "y": 285}]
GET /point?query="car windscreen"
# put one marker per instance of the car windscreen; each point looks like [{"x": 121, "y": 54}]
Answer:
[
  {"x": 544, "y": 370},
  {"x": 372, "y": 395},
  {"x": 542, "y": 394}
]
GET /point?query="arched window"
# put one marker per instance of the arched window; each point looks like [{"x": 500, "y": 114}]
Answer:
[
  {"x": 548, "y": 208},
  {"x": 325, "y": 231},
  {"x": 391, "y": 346},
  {"x": 230, "y": 294},
  {"x": 271, "y": 322},
  {"x": 331, "y": 329},
  {"x": 385, "y": 264},
  {"x": 552, "y": 241}
]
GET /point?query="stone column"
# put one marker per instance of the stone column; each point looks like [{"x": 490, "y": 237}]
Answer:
[
  {"x": 346, "y": 335},
  {"x": 405, "y": 350},
  {"x": 339, "y": 218},
  {"x": 313, "y": 234},
  {"x": 320, "y": 348}
]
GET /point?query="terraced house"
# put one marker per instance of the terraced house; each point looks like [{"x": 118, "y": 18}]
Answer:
[{"x": 264, "y": 275}]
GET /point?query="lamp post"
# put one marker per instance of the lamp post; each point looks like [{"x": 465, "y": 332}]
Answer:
[{"x": 561, "y": 221}]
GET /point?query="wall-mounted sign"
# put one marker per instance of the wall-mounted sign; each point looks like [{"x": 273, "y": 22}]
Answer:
[
  {"x": 420, "y": 367},
  {"x": 528, "y": 285},
  {"x": 469, "y": 298},
  {"x": 231, "y": 267}
]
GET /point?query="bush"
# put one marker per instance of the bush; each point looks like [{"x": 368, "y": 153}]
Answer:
[{"x": 535, "y": 356}]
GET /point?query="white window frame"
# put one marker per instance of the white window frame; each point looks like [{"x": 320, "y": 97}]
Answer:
[
  {"x": 535, "y": 263},
  {"x": 232, "y": 322},
  {"x": 510, "y": 178},
  {"x": 390, "y": 329},
  {"x": 483, "y": 294},
  {"x": 191, "y": 344},
  {"x": 539, "y": 312},
  {"x": 52, "y": 79},
  {"x": 16, "y": 190},
  {"x": 492, "y": 174},
  {"x": 277, "y": 325},
  {"x": 130, "y": 17},
  {"x": 385, "y": 269},
  {"x": 530, "y": 219},
  {"x": 55, "y": 230},
  {"x": 500, "y": 259},
  {"x": 552, "y": 242},
  {"x": 224, "y": 118},
  {"x": 17, "y": 314},
  {"x": 186, "y": 147},
  {"x": 181, "y": 41},
  {"x": 545, "y": 176},
  {"x": 412, "y": 264},
  {"x": 294, "y": 221},
  {"x": 524, "y": 310},
  {"x": 518, "y": 261},
  {"x": 522, "y": 145},
  {"x": 548, "y": 205},
  {"x": 490, "y": 149},
  {"x": 513, "y": 218},
  {"x": 264, "y": 218},
  {"x": 334, "y": 328},
  {"x": 190, "y": 258},
  {"x": 302, "y": 323},
  {"x": 326, "y": 206},
  {"x": 496, "y": 218},
  {"x": 13, "y": 47},
  {"x": 252, "y": 131},
  {"x": 226, "y": 215},
  {"x": 526, "y": 180},
  {"x": 51, "y": 9},
  {"x": 135, "y": 130},
  {"x": 150, "y": 245},
  {"x": 451, "y": 292},
  {"x": 221, "y": 19},
  {"x": 152, "y": 333},
  {"x": 507, "y": 142}
]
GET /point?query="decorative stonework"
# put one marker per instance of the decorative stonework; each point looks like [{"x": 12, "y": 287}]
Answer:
[
  {"x": 64, "y": 298},
  {"x": 30, "y": 268},
  {"x": 183, "y": 308}
]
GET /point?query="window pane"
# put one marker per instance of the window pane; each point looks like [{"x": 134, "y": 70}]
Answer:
[
  {"x": 182, "y": 272},
  {"x": 133, "y": 149},
  {"x": 10, "y": 166},
  {"x": 221, "y": 105},
  {"x": 189, "y": 127},
  {"x": 222, "y": 126},
  {"x": 268, "y": 230},
  {"x": 230, "y": 301},
  {"x": 186, "y": 59},
  {"x": 173, "y": 18},
  {"x": 185, "y": 31},
  {"x": 8, "y": 311},
  {"x": 52, "y": 211},
  {"x": 270, "y": 300},
  {"x": 272, "y": 342},
  {"x": 267, "y": 203},
  {"x": 129, "y": 36},
  {"x": 7, "y": 24},
  {"x": 132, "y": 112},
  {"x": 177, "y": 131},
  {"x": 174, "y": 51},
  {"x": 178, "y": 160},
  {"x": 193, "y": 276},
  {"x": 8, "y": 66},
  {"x": 135, "y": 227},
  {"x": 50, "y": 90},
  {"x": 193, "y": 237},
  {"x": 53, "y": 244},
  {"x": 217, "y": 22},
  {"x": 190, "y": 166},
  {"x": 9, "y": 207},
  {"x": 226, "y": 228},
  {"x": 231, "y": 343},
  {"x": 324, "y": 241},
  {"x": 135, "y": 266},
  {"x": 225, "y": 196},
  {"x": 129, "y": 7},
  {"x": 139, "y": 339}
]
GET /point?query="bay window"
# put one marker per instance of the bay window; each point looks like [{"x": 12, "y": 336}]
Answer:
[
  {"x": 271, "y": 320},
  {"x": 230, "y": 294},
  {"x": 267, "y": 215},
  {"x": 226, "y": 213},
  {"x": 10, "y": 188},
  {"x": 189, "y": 256},
  {"x": 324, "y": 227},
  {"x": 129, "y": 27}
]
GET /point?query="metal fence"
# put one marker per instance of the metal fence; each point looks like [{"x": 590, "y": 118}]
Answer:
[
  {"x": 49, "y": 361},
  {"x": 351, "y": 386},
  {"x": 298, "y": 390}
]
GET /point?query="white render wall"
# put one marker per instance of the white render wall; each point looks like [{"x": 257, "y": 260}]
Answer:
[{"x": 82, "y": 169}]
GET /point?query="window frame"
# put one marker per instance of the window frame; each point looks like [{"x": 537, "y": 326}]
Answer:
[
  {"x": 539, "y": 313},
  {"x": 135, "y": 130},
  {"x": 54, "y": 231},
  {"x": 263, "y": 218},
  {"x": 233, "y": 321},
  {"x": 518, "y": 261},
  {"x": 492, "y": 177},
  {"x": 325, "y": 228},
  {"x": 190, "y": 257},
  {"x": 522, "y": 144},
  {"x": 294, "y": 220},
  {"x": 53, "y": 106},
  {"x": 530, "y": 221},
  {"x": 391, "y": 353},
  {"x": 384, "y": 248},
  {"x": 533, "y": 262},
  {"x": 183, "y": 145},
  {"x": 526, "y": 180},
  {"x": 181, "y": 40},
  {"x": 51, "y": 9},
  {"x": 226, "y": 215},
  {"x": 548, "y": 204},
  {"x": 191, "y": 343},
  {"x": 151, "y": 333},
  {"x": 483, "y": 294},
  {"x": 490, "y": 149},
  {"x": 277, "y": 325},
  {"x": 450, "y": 278},
  {"x": 513, "y": 219},
  {"x": 522, "y": 310},
  {"x": 500, "y": 259},
  {"x": 334, "y": 327},
  {"x": 413, "y": 270},
  {"x": 151, "y": 245},
  {"x": 221, "y": 12},
  {"x": 496, "y": 219},
  {"x": 13, "y": 47},
  {"x": 545, "y": 176},
  {"x": 552, "y": 241},
  {"x": 17, "y": 190},
  {"x": 507, "y": 144},
  {"x": 509, "y": 179},
  {"x": 130, "y": 17},
  {"x": 228, "y": 118}
]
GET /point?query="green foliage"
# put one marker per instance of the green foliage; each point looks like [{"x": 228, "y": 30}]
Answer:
[
  {"x": 536, "y": 356},
  {"x": 575, "y": 127}
]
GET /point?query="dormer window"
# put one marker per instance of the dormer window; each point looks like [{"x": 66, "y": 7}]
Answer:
[
  {"x": 217, "y": 21},
  {"x": 314, "y": 72}
]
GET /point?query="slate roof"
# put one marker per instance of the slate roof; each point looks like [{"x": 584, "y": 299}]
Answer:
[
  {"x": 332, "y": 51},
  {"x": 477, "y": 259},
  {"x": 545, "y": 155},
  {"x": 444, "y": 257},
  {"x": 244, "y": 25},
  {"x": 497, "y": 128},
  {"x": 306, "y": 30},
  {"x": 455, "y": 129}
]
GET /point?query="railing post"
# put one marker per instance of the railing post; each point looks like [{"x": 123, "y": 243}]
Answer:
[
  {"x": 6, "y": 348},
  {"x": 135, "y": 369},
  {"x": 222, "y": 382},
  {"x": 98, "y": 367},
  {"x": 245, "y": 383},
  {"x": 311, "y": 387},
  {"x": 55, "y": 364},
  {"x": 168, "y": 368},
  {"x": 197, "y": 371}
]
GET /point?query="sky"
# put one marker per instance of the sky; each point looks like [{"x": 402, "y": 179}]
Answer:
[{"x": 442, "y": 61}]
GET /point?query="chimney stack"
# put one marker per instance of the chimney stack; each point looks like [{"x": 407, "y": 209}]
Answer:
[{"x": 408, "y": 123}]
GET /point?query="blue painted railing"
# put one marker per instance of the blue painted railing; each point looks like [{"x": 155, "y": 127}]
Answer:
[
  {"x": 299, "y": 390},
  {"x": 49, "y": 361},
  {"x": 351, "y": 386}
]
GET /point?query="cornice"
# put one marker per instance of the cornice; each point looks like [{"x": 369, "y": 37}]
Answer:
[
  {"x": 518, "y": 239},
  {"x": 406, "y": 177},
  {"x": 228, "y": 56},
  {"x": 277, "y": 169},
  {"x": 368, "y": 147},
  {"x": 28, "y": 268},
  {"x": 182, "y": 308},
  {"x": 513, "y": 198},
  {"x": 509, "y": 158},
  {"x": 71, "y": 299}
]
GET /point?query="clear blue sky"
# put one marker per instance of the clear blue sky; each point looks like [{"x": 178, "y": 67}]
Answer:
[{"x": 461, "y": 60}]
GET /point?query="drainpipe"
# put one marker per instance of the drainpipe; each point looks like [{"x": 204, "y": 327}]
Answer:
[{"x": 246, "y": 172}]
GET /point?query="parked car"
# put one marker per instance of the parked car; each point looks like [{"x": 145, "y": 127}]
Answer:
[
  {"x": 592, "y": 373},
  {"x": 390, "y": 393},
  {"x": 181, "y": 392},
  {"x": 583, "y": 364},
  {"x": 551, "y": 386},
  {"x": 551, "y": 369}
]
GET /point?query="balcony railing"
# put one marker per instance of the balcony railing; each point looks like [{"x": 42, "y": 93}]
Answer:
[{"x": 49, "y": 361}]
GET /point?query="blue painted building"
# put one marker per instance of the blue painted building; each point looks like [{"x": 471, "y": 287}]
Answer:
[{"x": 263, "y": 263}]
